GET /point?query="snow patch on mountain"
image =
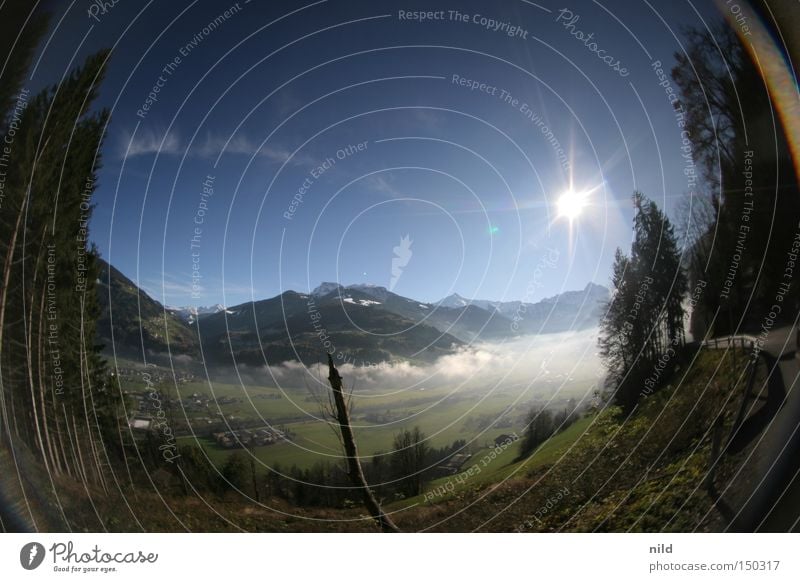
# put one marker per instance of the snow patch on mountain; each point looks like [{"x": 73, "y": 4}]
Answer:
[
  {"x": 454, "y": 300},
  {"x": 326, "y": 288},
  {"x": 192, "y": 313},
  {"x": 589, "y": 296},
  {"x": 364, "y": 302}
]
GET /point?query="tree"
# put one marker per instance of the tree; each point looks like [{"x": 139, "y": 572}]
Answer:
[
  {"x": 614, "y": 341},
  {"x": 410, "y": 453},
  {"x": 539, "y": 427},
  {"x": 198, "y": 471},
  {"x": 354, "y": 471},
  {"x": 51, "y": 375},
  {"x": 656, "y": 259},
  {"x": 748, "y": 177},
  {"x": 696, "y": 217},
  {"x": 644, "y": 320},
  {"x": 236, "y": 472},
  {"x": 21, "y": 29}
]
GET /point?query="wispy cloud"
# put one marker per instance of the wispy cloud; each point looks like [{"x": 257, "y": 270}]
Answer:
[
  {"x": 150, "y": 142},
  {"x": 177, "y": 289},
  {"x": 168, "y": 288},
  {"x": 428, "y": 118},
  {"x": 214, "y": 145},
  {"x": 382, "y": 183}
]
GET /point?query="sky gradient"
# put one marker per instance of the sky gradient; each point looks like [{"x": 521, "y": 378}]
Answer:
[{"x": 255, "y": 149}]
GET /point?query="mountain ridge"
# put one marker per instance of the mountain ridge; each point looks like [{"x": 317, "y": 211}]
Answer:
[{"x": 369, "y": 322}]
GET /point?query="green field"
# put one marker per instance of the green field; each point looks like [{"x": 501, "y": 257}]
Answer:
[
  {"x": 498, "y": 467},
  {"x": 444, "y": 415}
]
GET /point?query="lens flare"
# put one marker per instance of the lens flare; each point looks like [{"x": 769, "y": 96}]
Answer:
[{"x": 571, "y": 204}]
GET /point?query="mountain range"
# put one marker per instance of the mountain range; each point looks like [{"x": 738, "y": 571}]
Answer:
[
  {"x": 191, "y": 314},
  {"x": 364, "y": 324}
]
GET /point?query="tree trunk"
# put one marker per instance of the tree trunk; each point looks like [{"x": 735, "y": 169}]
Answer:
[
  {"x": 55, "y": 460},
  {"x": 34, "y": 406},
  {"x": 353, "y": 464},
  {"x": 3, "y": 298}
]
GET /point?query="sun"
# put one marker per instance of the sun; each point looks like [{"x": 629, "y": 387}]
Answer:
[{"x": 571, "y": 204}]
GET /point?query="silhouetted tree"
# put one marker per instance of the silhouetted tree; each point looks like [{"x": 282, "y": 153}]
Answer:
[
  {"x": 55, "y": 393},
  {"x": 236, "y": 472},
  {"x": 354, "y": 470},
  {"x": 748, "y": 181},
  {"x": 538, "y": 428},
  {"x": 644, "y": 320},
  {"x": 410, "y": 460}
]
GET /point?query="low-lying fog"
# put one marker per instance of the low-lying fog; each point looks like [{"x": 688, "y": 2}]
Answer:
[{"x": 565, "y": 362}]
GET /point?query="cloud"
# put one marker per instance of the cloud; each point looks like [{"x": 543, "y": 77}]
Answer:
[
  {"x": 240, "y": 144},
  {"x": 183, "y": 292},
  {"x": 168, "y": 288},
  {"x": 151, "y": 142},
  {"x": 148, "y": 142},
  {"x": 565, "y": 363},
  {"x": 382, "y": 183},
  {"x": 428, "y": 118}
]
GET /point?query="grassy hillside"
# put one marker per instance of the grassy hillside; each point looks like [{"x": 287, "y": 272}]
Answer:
[
  {"x": 496, "y": 465},
  {"x": 443, "y": 416},
  {"x": 133, "y": 317},
  {"x": 641, "y": 473}
]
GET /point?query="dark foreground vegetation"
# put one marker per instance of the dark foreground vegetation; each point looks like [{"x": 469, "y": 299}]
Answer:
[
  {"x": 647, "y": 458},
  {"x": 617, "y": 472}
]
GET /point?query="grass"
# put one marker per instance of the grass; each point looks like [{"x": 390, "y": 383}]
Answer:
[
  {"x": 639, "y": 473},
  {"x": 442, "y": 416},
  {"x": 498, "y": 467},
  {"x": 314, "y": 441}
]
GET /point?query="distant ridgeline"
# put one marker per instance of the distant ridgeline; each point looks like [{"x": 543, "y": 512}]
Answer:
[{"x": 368, "y": 323}]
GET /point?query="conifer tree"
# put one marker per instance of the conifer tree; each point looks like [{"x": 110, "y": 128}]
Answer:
[
  {"x": 55, "y": 393},
  {"x": 746, "y": 174},
  {"x": 644, "y": 320}
]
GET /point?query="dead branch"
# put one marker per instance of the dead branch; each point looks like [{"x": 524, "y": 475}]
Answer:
[{"x": 351, "y": 453}]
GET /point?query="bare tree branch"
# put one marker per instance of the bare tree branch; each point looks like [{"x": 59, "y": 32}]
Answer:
[{"x": 354, "y": 470}]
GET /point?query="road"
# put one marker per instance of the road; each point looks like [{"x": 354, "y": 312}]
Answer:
[{"x": 765, "y": 494}]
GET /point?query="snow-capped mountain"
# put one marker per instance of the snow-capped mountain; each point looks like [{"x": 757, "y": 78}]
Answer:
[
  {"x": 502, "y": 307},
  {"x": 454, "y": 300},
  {"x": 360, "y": 294},
  {"x": 192, "y": 313},
  {"x": 470, "y": 319},
  {"x": 368, "y": 322},
  {"x": 376, "y": 292},
  {"x": 588, "y": 298},
  {"x": 592, "y": 292},
  {"x": 325, "y": 288}
]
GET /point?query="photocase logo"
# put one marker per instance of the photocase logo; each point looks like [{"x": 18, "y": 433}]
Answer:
[
  {"x": 31, "y": 555},
  {"x": 402, "y": 254}
]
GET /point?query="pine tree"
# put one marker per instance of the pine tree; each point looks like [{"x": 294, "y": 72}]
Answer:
[
  {"x": 540, "y": 426},
  {"x": 748, "y": 179},
  {"x": 614, "y": 339},
  {"x": 21, "y": 28},
  {"x": 410, "y": 452},
  {"x": 644, "y": 320},
  {"x": 53, "y": 378}
]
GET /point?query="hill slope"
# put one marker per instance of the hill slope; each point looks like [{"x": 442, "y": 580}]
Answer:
[
  {"x": 295, "y": 326},
  {"x": 130, "y": 320}
]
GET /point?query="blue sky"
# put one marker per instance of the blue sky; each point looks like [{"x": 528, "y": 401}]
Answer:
[{"x": 274, "y": 112}]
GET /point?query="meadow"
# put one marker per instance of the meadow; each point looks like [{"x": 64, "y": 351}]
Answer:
[{"x": 444, "y": 414}]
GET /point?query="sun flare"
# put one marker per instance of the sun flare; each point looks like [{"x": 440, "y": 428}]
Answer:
[{"x": 571, "y": 204}]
